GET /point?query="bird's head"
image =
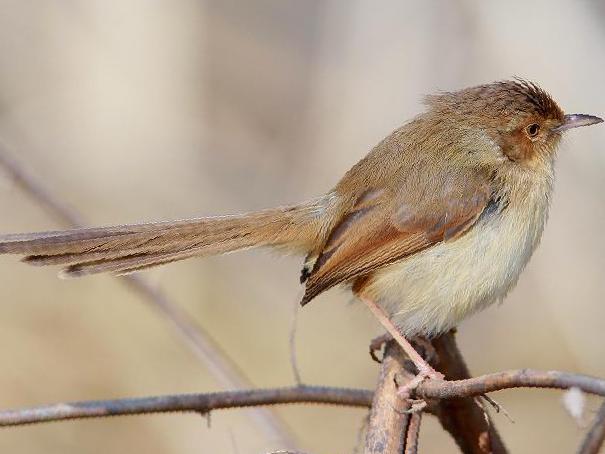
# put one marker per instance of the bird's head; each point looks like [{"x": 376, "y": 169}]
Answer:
[{"x": 520, "y": 119}]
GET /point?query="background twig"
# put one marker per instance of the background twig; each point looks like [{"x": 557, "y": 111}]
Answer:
[
  {"x": 199, "y": 341},
  {"x": 596, "y": 434},
  {"x": 292, "y": 344}
]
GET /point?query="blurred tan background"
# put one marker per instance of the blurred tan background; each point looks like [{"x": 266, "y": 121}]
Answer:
[{"x": 138, "y": 110}]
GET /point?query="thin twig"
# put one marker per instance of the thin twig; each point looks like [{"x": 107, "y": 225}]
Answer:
[
  {"x": 200, "y": 342},
  {"x": 292, "y": 344},
  {"x": 498, "y": 408},
  {"x": 593, "y": 441},
  {"x": 522, "y": 378},
  {"x": 198, "y": 403},
  {"x": 32, "y": 186}
]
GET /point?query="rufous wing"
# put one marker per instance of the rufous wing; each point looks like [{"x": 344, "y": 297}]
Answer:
[{"x": 390, "y": 227}]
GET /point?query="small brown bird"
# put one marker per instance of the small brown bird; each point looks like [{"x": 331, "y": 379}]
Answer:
[{"x": 434, "y": 224}]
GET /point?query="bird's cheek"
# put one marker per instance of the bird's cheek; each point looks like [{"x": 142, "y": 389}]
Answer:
[{"x": 516, "y": 147}]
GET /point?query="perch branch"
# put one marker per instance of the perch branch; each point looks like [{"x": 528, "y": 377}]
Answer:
[
  {"x": 522, "y": 378},
  {"x": 200, "y": 342},
  {"x": 465, "y": 420},
  {"x": 198, "y": 403},
  {"x": 389, "y": 418},
  {"x": 432, "y": 389}
]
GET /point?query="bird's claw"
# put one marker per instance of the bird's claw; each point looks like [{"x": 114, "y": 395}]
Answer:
[
  {"x": 417, "y": 405},
  {"x": 424, "y": 374}
]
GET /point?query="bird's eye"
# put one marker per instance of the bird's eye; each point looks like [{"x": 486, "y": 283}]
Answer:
[{"x": 533, "y": 130}]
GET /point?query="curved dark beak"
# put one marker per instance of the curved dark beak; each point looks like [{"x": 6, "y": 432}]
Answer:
[{"x": 577, "y": 120}]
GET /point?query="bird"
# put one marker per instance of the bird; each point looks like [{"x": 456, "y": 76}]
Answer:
[{"x": 435, "y": 223}]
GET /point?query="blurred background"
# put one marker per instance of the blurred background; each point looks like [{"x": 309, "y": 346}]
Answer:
[{"x": 137, "y": 110}]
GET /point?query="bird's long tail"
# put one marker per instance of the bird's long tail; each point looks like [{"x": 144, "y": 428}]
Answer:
[{"x": 127, "y": 248}]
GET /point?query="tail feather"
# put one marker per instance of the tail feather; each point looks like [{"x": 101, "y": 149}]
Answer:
[
  {"x": 89, "y": 239},
  {"x": 126, "y": 264},
  {"x": 128, "y": 248}
]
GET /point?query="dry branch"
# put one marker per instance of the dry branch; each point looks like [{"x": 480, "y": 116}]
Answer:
[
  {"x": 202, "y": 403},
  {"x": 522, "y": 378},
  {"x": 389, "y": 418},
  {"x": 198, "y": 403}
]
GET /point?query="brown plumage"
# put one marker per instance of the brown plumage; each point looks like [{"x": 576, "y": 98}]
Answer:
[
  {"x": 437, "y": 221},
  {"x": 127, "y": 248}
]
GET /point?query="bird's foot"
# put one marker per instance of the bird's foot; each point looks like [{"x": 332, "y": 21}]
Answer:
[
  {"x": 426, "y": 372},
  {"x": 423, "y": 367},
  {"x": 416, "y": 406}
]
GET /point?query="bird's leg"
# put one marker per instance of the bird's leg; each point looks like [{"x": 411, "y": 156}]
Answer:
[{"x": 424, "y": 368}]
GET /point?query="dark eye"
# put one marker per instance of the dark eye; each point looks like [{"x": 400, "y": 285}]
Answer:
[{"x": 533, "y": 130}]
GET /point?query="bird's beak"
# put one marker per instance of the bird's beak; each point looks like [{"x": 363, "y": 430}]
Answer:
[{"x": 577, "y": 120}]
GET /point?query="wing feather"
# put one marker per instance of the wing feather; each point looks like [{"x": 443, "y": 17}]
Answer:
[{"x": 392, "y": 227}]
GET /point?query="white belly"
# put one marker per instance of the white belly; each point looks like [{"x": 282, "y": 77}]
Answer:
[{"x": 432, "y": 291}]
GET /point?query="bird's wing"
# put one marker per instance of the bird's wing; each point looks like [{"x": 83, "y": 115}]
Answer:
[{"x": 386, "y": 225}]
